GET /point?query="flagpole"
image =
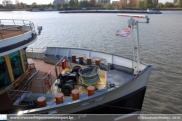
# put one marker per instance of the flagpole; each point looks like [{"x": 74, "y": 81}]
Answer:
[
  {"x": 132, "y": 23},
  {"x": 138, "y": 54},
  {"x": 133, "y": 63}
]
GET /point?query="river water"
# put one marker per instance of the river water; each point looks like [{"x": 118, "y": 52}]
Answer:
[{"x": 160, "y": 45}]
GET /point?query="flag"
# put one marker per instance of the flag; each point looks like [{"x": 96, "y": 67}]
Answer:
[{"x": 123, "y": 33}]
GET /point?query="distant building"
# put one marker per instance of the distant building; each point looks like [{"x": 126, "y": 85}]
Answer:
[
  {"x": 115, "y": 1},
  {"x": 50, "y": 9},
  {"x": 175, "y": 2},
  {"x": 104, "y": 1},
  {"x": 59, "y": 1},
  {"x": 35, "y": 9},
  {"x": 24, "y": 4}
]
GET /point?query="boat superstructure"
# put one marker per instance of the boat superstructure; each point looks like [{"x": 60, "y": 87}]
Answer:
[
  {"x": 15, "y": 36},
  {"x": 119, "y": 82},
  {"x": 127, "y": 93}
]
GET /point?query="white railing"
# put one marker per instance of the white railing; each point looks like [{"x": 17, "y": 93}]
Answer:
[
  {"x": 51, "y": 75},
  {"x": 20, "y": 26},
  {"x": 16, "y": 90},
  {"x": 15, "y": 22},
  {"x": 31, "y": 49},
  {"x": 110, "y": 57}
]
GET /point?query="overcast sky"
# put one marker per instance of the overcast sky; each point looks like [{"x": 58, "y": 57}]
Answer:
[{"x": 51, "y": 1}]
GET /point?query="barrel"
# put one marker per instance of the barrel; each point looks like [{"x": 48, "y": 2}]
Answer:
[
  {"x": 73, "y": 57},
  {"x": 75, "y": 94},
  {"x": 97, "y": 62},
  {"x": 81, "y": 59},
  {"x": 91, "y": 90},
  {"x": 89, "y": 62},
  {"x": 42, "y": 101},
  {"x": 59, "y": 98}
]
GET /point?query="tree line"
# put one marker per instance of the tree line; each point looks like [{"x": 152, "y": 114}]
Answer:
[
  {"x": 7, "y": 4},
  {"x": 155, "y": 4}
]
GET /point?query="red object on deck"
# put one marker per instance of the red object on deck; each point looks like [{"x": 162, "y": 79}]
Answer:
[
  {"x": 49, "y": 84},
  {"x": 46, "y": 74},
  {"x": 63, "y": 64}
]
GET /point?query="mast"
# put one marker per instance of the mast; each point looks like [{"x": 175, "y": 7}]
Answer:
[
  {"x": 138, "y": 47},
  {"x": 132, "y": 24}
]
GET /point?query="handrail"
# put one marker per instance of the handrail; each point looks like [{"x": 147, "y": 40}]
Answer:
[
  {"x": 11, "y": 92},
  {"x": 14, "y": 98},
  {"x": 49, "y": 73},
  {"x": 13, "y": 20},
  {"x": 30, "y": 100},
  {"x": 16, "y": 26},
  {"x": 54, "y": 66},
  {"x": 32, "y": 49},
  {"x": 13, "y": 27}
]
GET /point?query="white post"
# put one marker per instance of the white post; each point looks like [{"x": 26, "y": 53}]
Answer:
[
  {"x": 138, "y": 54},
  {"x": 133, "y": 63}
]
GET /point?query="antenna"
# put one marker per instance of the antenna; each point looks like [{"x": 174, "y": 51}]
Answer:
[{"x": 131, "y": 24}]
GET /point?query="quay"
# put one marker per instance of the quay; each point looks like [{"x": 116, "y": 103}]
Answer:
[{"x": 109, "y": 11}]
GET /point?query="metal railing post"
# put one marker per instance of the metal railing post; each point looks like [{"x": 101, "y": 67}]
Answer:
[
  {"x": 33, "y": 26},
  {"x": 30, "y": 26},
  {"x": 51, "y": 78},
  {"x": 42, "y": 86},
  {"x": 14, "y": 22},
  {"x": 20, "y": 27},
  {"x": 1, "y": 36},
  {"x": 23, "y": 22},
  {"x": 8, "y": 95}
]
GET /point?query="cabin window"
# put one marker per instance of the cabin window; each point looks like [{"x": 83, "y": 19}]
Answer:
[
  {"x": 4, "y": 76},
  {"x": 16, "y": 64},
  {"x": 24, "y": 59}
]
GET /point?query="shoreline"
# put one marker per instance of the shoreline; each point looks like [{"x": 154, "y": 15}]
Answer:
[
  {"x": 162, "y": 9},
  {"x": 107, "y": 11}
]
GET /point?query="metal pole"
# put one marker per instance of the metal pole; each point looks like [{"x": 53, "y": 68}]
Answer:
[
  {"x": 138, "y": 54},
  {"x": 1, "y": 36},
  {"x": 51, "y": 78},
  {"x": 14, "y": 22},
  {"x": 112, "y": 59},
  {"x": 42, "y": 86},
  {"x": 23, "y": 22},
  {"x": 21, "y": 29},
  {"x": 133, "y": 63},
  {"x": 30, "y": 26}
]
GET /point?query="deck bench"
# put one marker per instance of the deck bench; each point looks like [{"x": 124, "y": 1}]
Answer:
[{"x": 31, "y": 63}]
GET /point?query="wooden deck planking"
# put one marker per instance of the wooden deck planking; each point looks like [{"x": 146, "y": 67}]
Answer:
[
  {"x": 43, "y": 68},
  {"x": 10, "y": 33}
]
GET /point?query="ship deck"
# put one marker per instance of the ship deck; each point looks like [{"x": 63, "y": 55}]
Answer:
[
  {"x": 120, "y": 78},
  {"x": 36, "y": 87},
  {"x": 5, "y": 34},
  {"x": 43, "y": 68}
]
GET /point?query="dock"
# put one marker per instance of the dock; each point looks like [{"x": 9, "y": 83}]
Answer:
[{"x": 107, "y": 11}]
